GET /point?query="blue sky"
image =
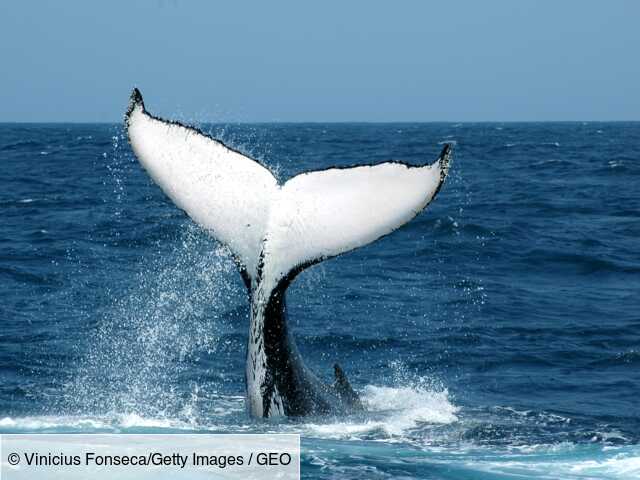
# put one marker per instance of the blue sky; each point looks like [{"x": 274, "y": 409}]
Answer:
[{"x": 321, "y": 61}]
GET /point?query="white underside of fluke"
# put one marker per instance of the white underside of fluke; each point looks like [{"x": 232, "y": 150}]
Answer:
[
  {"x": 313, "y": 216},
  {"x": 274, "y": 229}
]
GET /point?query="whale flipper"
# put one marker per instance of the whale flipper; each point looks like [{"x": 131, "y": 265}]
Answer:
[{"x": 274, "y": 232}]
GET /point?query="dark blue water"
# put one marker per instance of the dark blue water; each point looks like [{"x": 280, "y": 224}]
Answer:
[{"x": 495, "y": 336}]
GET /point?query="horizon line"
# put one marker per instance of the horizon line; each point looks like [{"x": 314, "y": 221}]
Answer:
[{"x": 319, "y": 122}]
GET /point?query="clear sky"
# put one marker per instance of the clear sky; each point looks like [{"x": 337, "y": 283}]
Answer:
[{"x": 393, "y": 60}]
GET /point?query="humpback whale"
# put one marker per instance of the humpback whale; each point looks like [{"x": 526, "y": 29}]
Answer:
[{"x": 276, "y": 230}]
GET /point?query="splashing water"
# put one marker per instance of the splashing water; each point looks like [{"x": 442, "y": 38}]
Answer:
[{"x": 147, "y": 339}]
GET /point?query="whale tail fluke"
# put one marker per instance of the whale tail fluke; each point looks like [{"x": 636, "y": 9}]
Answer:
[{"x": 276, "y": 230}]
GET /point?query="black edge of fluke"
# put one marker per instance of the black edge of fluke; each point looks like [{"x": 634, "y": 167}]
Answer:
[
  {"x": 444, "y": 162},
  {"x": 134, "y": 100},
  {"x": 445, "y": 159}
]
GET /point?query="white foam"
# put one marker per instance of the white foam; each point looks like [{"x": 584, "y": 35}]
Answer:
[
  {"x": 39, "y": 423},
  {"x": 133, "y": 420},
  {"x": 110, "y": 423},
  {"x": 621, "y": 463},
  {"x": 615, "y": 164},
  {"x": 619, "y": 466},
  {"x": 391, "y": 412},
  {"x": 413, "y": 404}
]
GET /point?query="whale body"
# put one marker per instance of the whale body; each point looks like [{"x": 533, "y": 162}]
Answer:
[{"x": 274, "y": 232}]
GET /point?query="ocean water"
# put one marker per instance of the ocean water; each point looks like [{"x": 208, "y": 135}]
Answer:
[{"x": 495, "y": 336}]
